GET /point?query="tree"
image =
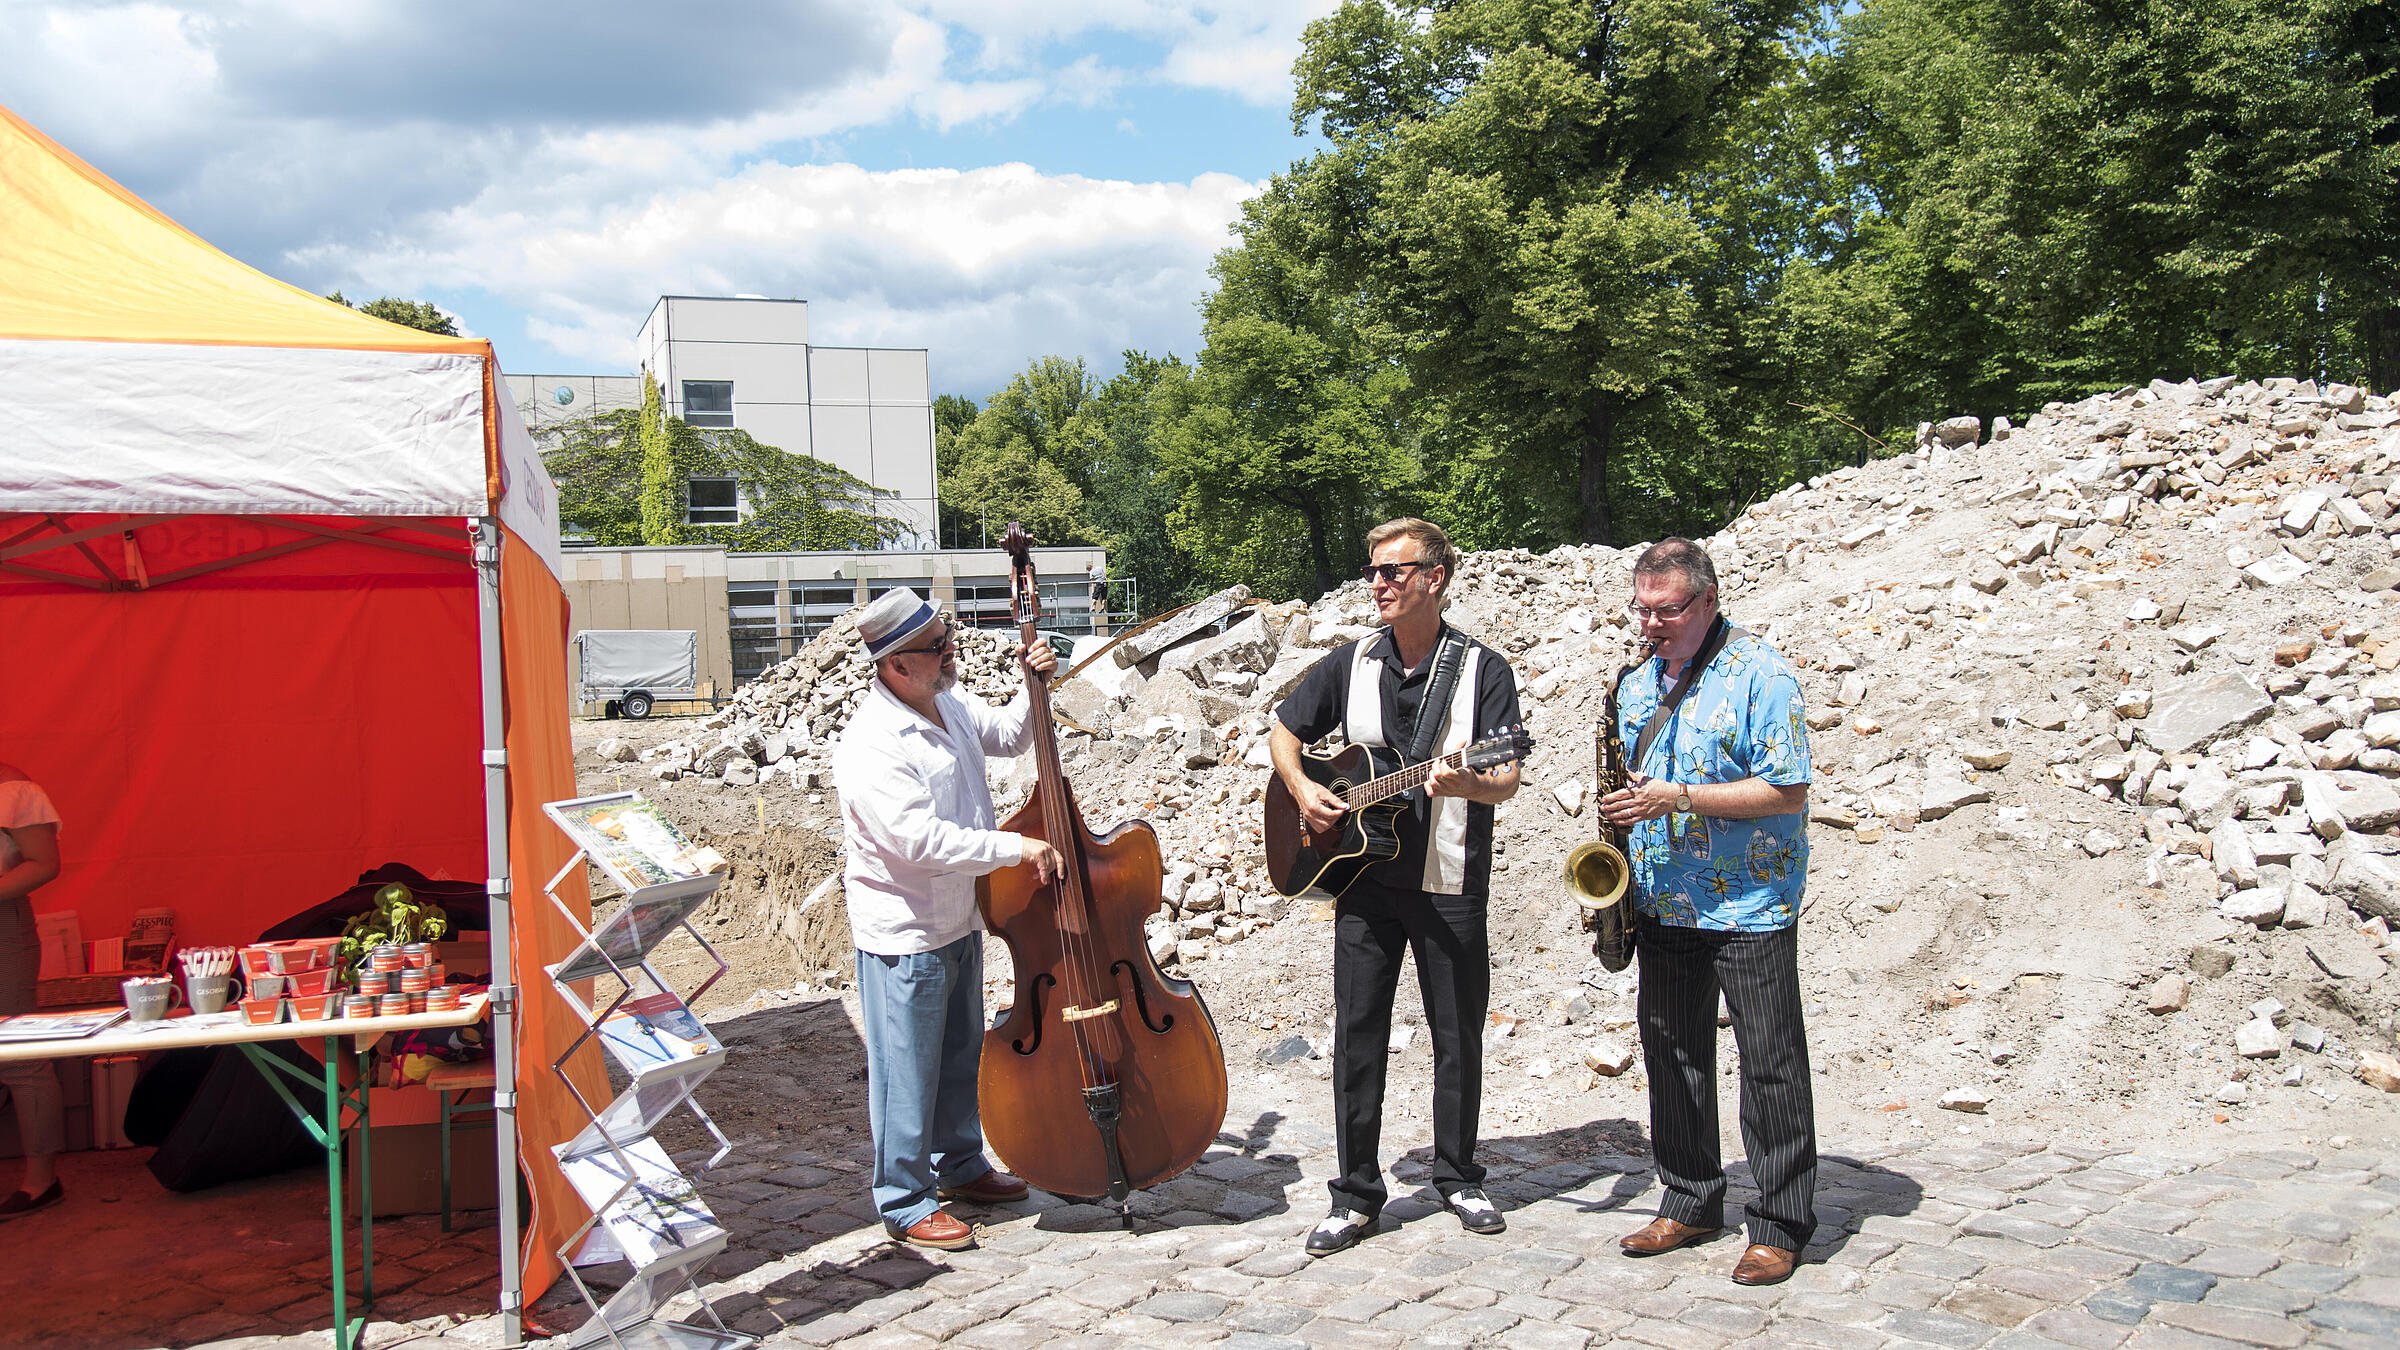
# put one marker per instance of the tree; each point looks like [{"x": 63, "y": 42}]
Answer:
[
  {"x": 1504, "y": 190},
  {"x": 1133, "y": 494},
  {"x": 1286, "y": 440},
  {"x": 662, "y": 491},
  {"x": 1026, "y": 456},
  {"x": 2068, "y": 194},
  {"x": 419, "y": 314}
]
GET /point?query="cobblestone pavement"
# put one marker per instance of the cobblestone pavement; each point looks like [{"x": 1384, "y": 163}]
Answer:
[{"x": 1969, "y": 1243}]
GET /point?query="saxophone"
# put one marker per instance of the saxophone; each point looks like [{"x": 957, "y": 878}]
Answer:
[{"x": 1598, "y": 873}]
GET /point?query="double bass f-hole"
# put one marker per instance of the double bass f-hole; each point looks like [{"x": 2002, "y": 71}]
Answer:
[
  {"x": 1124, "y": 972},
  {"x": 1035, "y": 988}
]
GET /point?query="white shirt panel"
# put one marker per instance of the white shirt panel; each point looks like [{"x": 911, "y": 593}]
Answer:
[{"x": 917, "y": 816}]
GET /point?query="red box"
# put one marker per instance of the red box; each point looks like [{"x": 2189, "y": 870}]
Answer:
[
  {"x": 262, "y": 1012},
  {"x": 312, "y": 1007}
]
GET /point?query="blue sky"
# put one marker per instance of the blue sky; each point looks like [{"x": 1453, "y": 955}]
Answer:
[{"x": 995, "y": 180}]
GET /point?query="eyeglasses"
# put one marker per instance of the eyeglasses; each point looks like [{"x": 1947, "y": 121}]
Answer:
[
  {"x": 1641, "y": 611},
  {"x": 1388, "y": 573},
  {"x": 941, "y": 640}
]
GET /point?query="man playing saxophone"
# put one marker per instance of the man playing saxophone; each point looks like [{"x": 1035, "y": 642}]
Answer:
[{"x": 1716, "y": 807}]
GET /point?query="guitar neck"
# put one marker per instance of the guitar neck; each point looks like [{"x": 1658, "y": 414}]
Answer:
[{"x": 1393, "y": 784}]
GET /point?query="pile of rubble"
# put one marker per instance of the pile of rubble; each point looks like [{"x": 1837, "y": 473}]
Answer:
[{"x": 2105, "y": 712}]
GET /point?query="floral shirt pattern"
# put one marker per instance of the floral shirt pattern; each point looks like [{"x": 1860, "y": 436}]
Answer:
[{"x": 1742, "y": 719}]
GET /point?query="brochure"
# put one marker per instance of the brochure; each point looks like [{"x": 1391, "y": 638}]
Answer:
[
  {"x": 629, "y": 840},
  {"x": 660, "y": 1214},
  {"x": 72, "y": 1026},
  {"x": 636, "y": 925},
  {"x": 657, "y": 1032}
]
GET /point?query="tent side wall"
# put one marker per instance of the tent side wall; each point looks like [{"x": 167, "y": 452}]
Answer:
[{"x": 541, "y": 768}]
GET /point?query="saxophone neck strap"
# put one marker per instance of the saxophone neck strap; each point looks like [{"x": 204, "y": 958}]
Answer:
[{"x": 1719, "y": 634}]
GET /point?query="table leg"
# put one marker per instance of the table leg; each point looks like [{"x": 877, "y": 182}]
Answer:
[
  {"x": 363, "y": 1139},
  {"x": 327, "y": 1130}
]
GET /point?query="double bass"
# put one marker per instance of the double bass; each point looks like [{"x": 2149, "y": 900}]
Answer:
[{"x": 1103, "y": 1075}]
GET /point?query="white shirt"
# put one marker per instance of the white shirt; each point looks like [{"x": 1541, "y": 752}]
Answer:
[
  {"x": 917, "y": 816},
  {"x": 22, "y": 804}
]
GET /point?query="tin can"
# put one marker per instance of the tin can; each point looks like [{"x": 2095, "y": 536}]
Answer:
[
  {"x": 415, "y": 981},
  {"x": 358, "y": 1005},
  {"x": 385, "y": 958},
  {"x": 416, "y": 955},
  {"x": 392, "y": 1005},
  {"x": 443, "y": 998},
  {"x": 374, "y": 981}
]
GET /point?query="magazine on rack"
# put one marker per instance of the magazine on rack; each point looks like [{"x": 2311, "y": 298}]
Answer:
[
  {"x": 656, "y": 1034},
  {"x": 659, "y": 1216},
  {"x": 631, "y": 841},
  {"x": 72, "y": 1026}
]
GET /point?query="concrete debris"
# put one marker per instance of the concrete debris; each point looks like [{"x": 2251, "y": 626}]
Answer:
[
  {"x": 2378, "y": 1070},
  {"x": 2130, "y": 673},
  {"x": 1973, "y": 1101}
]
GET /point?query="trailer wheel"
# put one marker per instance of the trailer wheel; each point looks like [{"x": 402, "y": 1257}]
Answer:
[{"x": 637, "y": 706}]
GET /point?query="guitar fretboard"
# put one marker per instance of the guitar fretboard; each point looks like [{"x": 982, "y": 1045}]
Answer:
[{"x": 1393, "y": 784}]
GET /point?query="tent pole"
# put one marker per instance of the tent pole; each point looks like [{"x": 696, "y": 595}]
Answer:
[{"x": 504, "y": 987}]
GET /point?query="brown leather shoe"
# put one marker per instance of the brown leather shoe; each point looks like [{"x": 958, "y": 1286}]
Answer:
[
  {"x": 1763, "y": 1264},
  {"x": 1662, "y": 1234},
  {"x": 940, "y": 1231},
  {"x": 992, "y": 1188}
]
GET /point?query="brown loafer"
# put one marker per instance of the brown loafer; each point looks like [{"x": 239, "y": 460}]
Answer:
[
  {"x": 992, "y": 1188},
  {"x": 1662, "y": 1234},
  {"x": 940, "y": 1231},
  {"x": 1763, "y": 1264}
]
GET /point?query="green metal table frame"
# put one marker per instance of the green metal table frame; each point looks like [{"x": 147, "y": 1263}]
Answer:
[{"x": 323, "y": 1121}]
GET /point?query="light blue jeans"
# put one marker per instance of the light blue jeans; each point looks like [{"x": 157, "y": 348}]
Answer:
[{"x": 923, "y": 1014}]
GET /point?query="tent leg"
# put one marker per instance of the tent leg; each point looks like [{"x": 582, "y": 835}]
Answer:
[{"x": 504, "y": 988}]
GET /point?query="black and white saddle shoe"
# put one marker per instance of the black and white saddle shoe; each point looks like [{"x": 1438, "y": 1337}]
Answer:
[
  {"x": 1476, "y": 1212},
  {"x": 1338, "y": 1230}
]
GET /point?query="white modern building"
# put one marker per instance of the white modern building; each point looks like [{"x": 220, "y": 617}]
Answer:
[{"x": 748, "y": 363}]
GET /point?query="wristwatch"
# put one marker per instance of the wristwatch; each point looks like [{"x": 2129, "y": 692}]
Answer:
[{"x": 1683, "y": 799}]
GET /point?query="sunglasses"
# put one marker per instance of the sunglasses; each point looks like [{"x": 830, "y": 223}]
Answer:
[
  {"x": 1388, "y": 573},
  {"x": 941, "y": 640}
]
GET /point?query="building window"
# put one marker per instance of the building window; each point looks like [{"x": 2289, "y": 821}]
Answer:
[
  {"x": 751, "y": 614},
  {"x": 715, "y": 501},
  {"x": 708, "y": 403}
]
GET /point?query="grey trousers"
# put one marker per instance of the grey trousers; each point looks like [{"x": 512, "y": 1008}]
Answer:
[
  {"x": 1682, "y": 971},
  {"x": 32, "y": 1084}
]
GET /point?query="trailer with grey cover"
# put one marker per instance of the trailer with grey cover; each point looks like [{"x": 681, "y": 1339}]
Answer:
[{"x": 632, "y": 670}]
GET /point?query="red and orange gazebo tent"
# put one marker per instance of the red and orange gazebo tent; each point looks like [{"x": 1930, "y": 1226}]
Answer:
[{"x": 279, "y": 602}]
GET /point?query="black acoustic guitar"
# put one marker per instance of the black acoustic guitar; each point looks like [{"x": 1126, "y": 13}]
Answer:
[{"x": 1367, "y": 778}]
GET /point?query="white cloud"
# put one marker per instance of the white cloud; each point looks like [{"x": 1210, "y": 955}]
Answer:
[
  {"x": 575, "y": 161},
  {"x": 987, "y": 267}
]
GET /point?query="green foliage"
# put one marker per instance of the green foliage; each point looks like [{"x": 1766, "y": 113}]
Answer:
[
  {"x": 1507, "y": 192},
  {"x": 1132, "y": 495},
  {"x": 423, "y": 315},
  {"x": 662, "y": 493},
  {"x": 1285, "y": 440},
  {"x": 395, "y": 916},
  {"x": 625, "y": 479},
  {"x": 1027, "y": 456}
]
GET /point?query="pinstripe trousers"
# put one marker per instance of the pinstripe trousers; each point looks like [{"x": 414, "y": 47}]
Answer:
[{"x": 1682, "y": 971}]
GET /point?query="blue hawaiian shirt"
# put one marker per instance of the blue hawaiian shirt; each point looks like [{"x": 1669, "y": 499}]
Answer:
[{"x": 1743, "y": 719}]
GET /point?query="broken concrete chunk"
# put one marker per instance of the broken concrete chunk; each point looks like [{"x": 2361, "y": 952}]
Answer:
[
  {"x": 1608, "y": 1058},
  {"x": 2191, "y": 715},
  {"x": 1945, "y": 795},
  {"x": 1970, "y": 1100},
  {"x": 1142, "y": 646},
  {"x": 2168, "y": 995},
  {"x": 2379, "y": 1070},
  {"x": 2259, "y": 905},
  {"x": 2258, "y": 1039}
]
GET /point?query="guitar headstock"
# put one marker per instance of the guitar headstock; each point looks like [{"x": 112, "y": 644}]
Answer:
[{"x": 1505, "y": 746}]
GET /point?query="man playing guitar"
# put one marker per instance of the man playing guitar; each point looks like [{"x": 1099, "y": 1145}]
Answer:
[{"x": 1421, "y": 687}]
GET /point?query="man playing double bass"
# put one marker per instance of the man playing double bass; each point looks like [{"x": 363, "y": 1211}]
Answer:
[
  {"x": 1417, "y": 675},
  {"x": 917, "y": 827}
]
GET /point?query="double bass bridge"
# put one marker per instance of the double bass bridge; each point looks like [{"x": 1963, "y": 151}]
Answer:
[{"x": 1074, "y": 1014}]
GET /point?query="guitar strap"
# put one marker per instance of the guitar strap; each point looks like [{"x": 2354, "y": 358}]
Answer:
[{"x": 1436, "y": 703}]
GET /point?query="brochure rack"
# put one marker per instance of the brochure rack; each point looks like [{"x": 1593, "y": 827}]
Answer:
[{"x": 644, "y": 1212}]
